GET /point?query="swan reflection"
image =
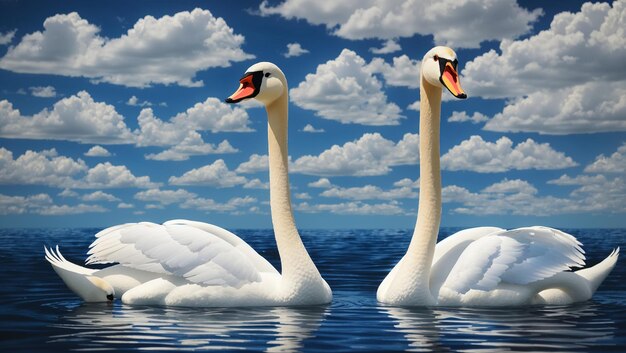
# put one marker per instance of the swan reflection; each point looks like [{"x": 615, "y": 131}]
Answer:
[
  {"x": 278, "y": 329},
  {"x": 534, "y": 329}
]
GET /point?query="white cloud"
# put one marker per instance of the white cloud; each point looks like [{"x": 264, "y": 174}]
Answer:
[
  {"x": 369, "y": 192},
  {"x": 6, "y": 38},
  {"x": 294, "y": 49},
  {"x": 322, "y": 183},
  {"x": 215, "y": 116},
  {"x": 97, "y": 151},
  {"x": 345, "y": 90},
  {"x": 256, "y": 163},
  {"x": 481, "y": 156},
  {"x": 99, "y": 196},
  {"x": 311, "y": 129},
  {"x": 125, "y": 205},
  {"x": 404, "y": 72},
  {"x": 586, "y": 108},
  {"x": 615, "y": 163},
  {"x": 68, "y": 193},
  {"x": 353, "y": 208},
  {"x": 414, "y": 106},
  {"x": 507, "y": 186},
  {"x": 76, "y": 118},
  {"x": 216, "y": 174},
  {"x": 133, "y": 101},
  {"x": 456, "y": 23},
  {"x": 203, "y": 204},
  {"x": 165, "y": 197},
  {"x": 39, "y": 168},
  {"x": 43, "y": 91},
  {"x": 406, "y": 182},
  {"x": 56, "y": 210},
  {"x": 371, "y": 154},
  {"x": 42, "y": 204},
  {"x": 167, "y": 50},
  {"x": 390, "y": 46},
  {"x": 107, "y": 176},
  {"x": 256, "y": 184},
  {"x": 192, "y": 145},
  {"x": 459, "y": 117},
  {"x": 302, "y": 196}
]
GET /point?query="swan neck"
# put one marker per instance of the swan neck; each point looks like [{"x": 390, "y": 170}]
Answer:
[
  {"x": 422, "y": 246},
  {"x": 293, "y": 255}
]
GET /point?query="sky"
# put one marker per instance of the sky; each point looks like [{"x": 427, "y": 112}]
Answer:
[{"x": 113, "y": 112}]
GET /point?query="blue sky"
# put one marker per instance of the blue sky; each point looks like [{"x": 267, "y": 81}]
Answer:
[{"x": 111, "y": 112}]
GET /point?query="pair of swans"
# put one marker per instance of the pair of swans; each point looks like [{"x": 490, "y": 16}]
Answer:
[{"x": 190, "y": 263}]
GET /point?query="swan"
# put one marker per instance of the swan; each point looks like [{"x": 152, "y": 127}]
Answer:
[
  {"x": 187, "y": 263},
  {"x": 485, "y": 266}
]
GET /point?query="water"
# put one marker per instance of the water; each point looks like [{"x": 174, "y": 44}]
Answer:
[{"x": 40, "y": 314}]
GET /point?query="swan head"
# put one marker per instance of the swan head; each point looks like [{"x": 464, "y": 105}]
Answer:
[
  {"x": 262, "y": 81},
  {"x": 101, "y": 290},
  {"x": 439, "y": 68}
]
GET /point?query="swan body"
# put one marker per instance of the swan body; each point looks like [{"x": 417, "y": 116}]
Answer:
[
  {"x": 483, "y": 266},
  {"x": 187, "y": 263}
]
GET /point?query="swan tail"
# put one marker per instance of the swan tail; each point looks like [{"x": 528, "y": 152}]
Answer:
[
  {"x": 78, "y": 279},
  {"x": 596, "y": 274}
]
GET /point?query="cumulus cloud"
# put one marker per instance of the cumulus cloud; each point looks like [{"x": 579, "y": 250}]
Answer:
[
  {"x": 107, "y": 176},
  {"x": 167, "y": 50},
  {"x": 6, "y": 38},
  {"x": 216, "y": 174},
  {"x": 165, "y": 197},
  {"x": 133, "y": 101},
  {"x": 77, "y": 118},
  {"x": 311, "y": 129},
  {"x": 345, "y": 90},
  {"x": 125, "y": 205},
  {"x": 615, "y": 163},
  {"x": 481, "y": 156},
  {"x": 481, "y": 20},
  {"x": 371, "y": 154},
  {"x": 60, "y": 210},
  {"x": 294, "y": 49},
  {"x": 256, "y": 184},
  {"x": 215, "y": 116},
  {"x": 42, "y": 204},
  {"x": 99, "y": 196},
  {"x": 97, "y": 151},
  {"x": 404, "y": 72},
  {"x": 210, "y": 205},
  {"x": 39, "y": 168},
  {"x": 43, "y": 91},
  {"x": 369, "y": 192},
  {"x": 390, "y": 46},
  {"x": 352, "y": 208},
  {"x": 567, "y": 79},
  {"x": 322, "y": 183},
  {"x": 459, "y": 117},
  {"x": 256, "y": 163}
]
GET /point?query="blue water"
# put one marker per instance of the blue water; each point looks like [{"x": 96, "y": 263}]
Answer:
[{"x": 40, "y": 314}]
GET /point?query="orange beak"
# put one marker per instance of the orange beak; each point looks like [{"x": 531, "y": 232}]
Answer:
[
  {"x": 450, "y": 79},
  {"x": 248, "y": 88}
]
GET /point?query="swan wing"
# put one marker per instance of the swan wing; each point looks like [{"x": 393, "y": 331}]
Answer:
[
  {"x": 519, "y": 256},
  {"x": 198, "y": 252}
]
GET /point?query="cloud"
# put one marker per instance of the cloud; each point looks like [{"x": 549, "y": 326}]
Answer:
[
  {"x": 256, "y": 184},
  {"x": 97, "y": 151},
  {"x": 311, "y": 129},
  {"x": 459, "y": 117},
  {"x": 586, "y": 108},
  {"x": 6, "y": 38},
  {"x": 345, "y": 90},
  {"x": 404, "y": 72},
  {"x": 294, "y": 49},
  {"x": 216, "y": 174},
  {"x": 369, "y": 192},
  {"x": 42, "y": 204},
  {"x": 99, "y": 196},
  {"x": 43, "y": 92},
  {"x": 322, "y": 183},
  {"x": 39, "y": 168},
  {"x": 107, "y": 176},
  {"x": 125, "y": 205},
  {"x": 481, "y": 156},
  {"x": 615, "y": 163},
  {"x": 133, "y": 101},
  {"x": 76, "y": 118},
  {"x": 167, "y": 50},
  {"x": 352, "y": 208},
  {"x": 406, "y": 182},
  {"x": 192, "y": 146},
  {"x": 165, "y": 197},
  {"x": 390, "y": 46},
  {"x": 453, "y": 23},
  {"x": 370, "y": 155},
  {"x": 256, "y": 163},
  {"x": 68, "y": 193},
  {"x": 215, "y": 116},
  {"x": 302, "y": 196},
  {"x": 414, "y": 106},
  {"x": 203, "y": 204}
]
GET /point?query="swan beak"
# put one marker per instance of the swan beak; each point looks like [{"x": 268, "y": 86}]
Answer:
[
  {"x": 450, "y": 79},
  {"x": 249, "y": 86}
]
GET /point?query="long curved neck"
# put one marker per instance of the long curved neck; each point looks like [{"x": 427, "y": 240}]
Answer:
[
  {"x": 293, "y": 256},
  {"x": 422, "y": 247}
]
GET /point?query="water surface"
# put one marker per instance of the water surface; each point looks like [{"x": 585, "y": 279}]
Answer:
[{"x": 40, "y": 314}]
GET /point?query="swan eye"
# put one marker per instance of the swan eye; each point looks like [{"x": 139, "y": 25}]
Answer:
[
  {"x": 110, "y": 297},
  {"x": 436, "y": 57},
  {"x": 267, "y": 74}
]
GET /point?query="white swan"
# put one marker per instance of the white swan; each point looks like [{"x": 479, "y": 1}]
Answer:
[
  {"x": 198, "y": 264},
  {"x": 479, "y": 266}
]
